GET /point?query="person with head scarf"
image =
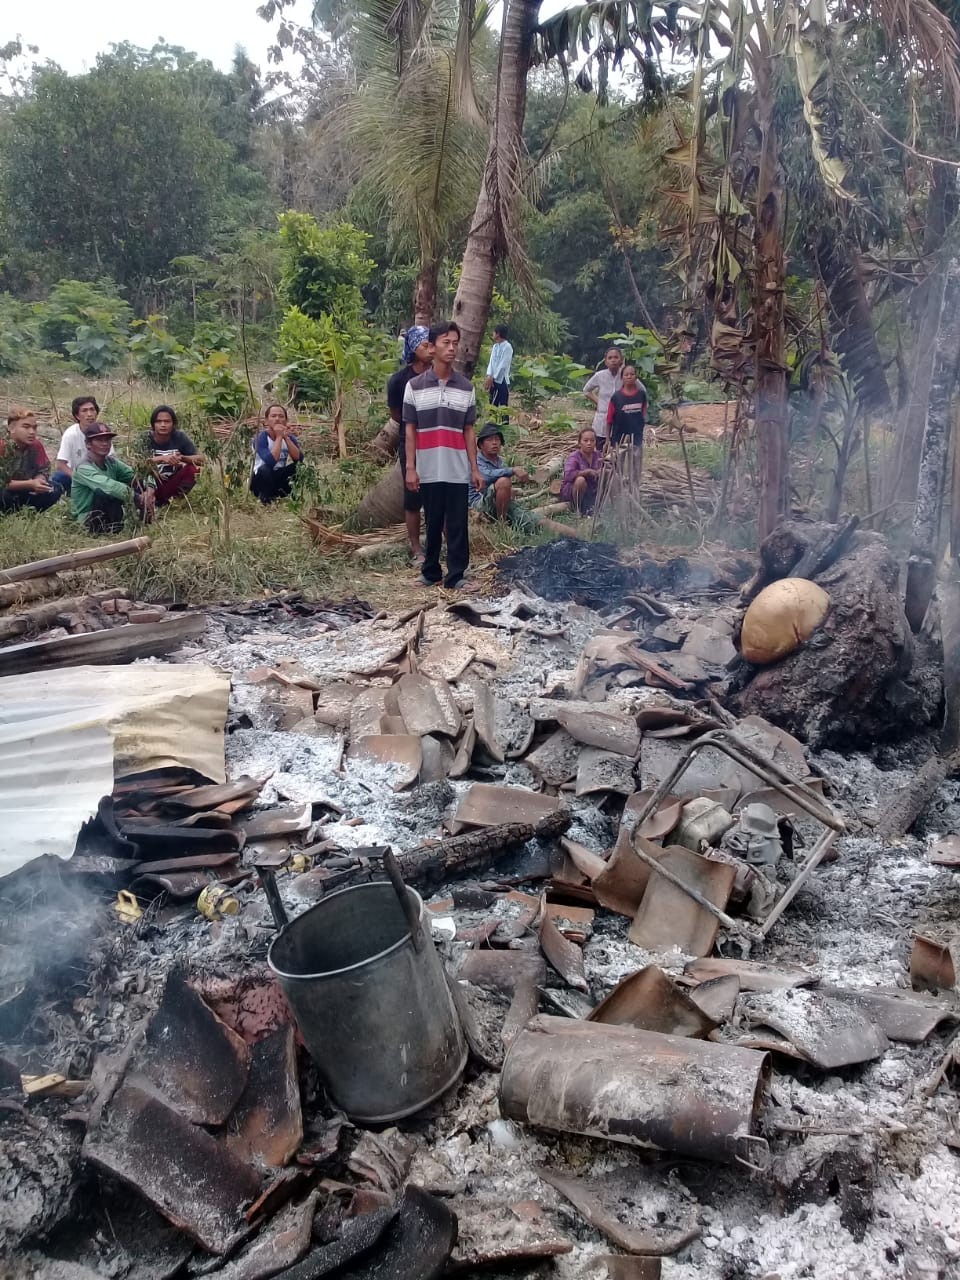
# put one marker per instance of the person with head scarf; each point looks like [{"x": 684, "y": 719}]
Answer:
[{"x": 417, "y": 355}]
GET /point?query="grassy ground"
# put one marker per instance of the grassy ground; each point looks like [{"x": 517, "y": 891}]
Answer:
[{"x": 222, "y": 545}]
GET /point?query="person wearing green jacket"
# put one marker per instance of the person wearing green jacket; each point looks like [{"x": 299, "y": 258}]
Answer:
[{"x": 104, "y": 487}]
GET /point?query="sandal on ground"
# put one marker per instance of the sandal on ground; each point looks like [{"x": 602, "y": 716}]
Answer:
[{"x": 464, "y": 585}]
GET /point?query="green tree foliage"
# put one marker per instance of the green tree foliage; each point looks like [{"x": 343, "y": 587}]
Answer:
[
  {"x": 88, "y": 323},
  {"x": 214, "y": 388},
  {"x": 324, "y": 268},
  {"x": 18, "y": 333},
  {"x": 156, "y": 352},
  {"x": 596, "y": 225},
  {"x": 120, "y": 170},
  {"x": 306, "y": 374}
]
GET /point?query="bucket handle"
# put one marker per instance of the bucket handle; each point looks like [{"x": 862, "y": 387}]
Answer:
[{"x": 392, "y": 868}]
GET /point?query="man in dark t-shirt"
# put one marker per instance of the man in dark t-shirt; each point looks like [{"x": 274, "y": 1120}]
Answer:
[
  {"x": 418, "y": 354},
  {"x": 173, "y": 456},
  {"x": 627, "y": 411}
]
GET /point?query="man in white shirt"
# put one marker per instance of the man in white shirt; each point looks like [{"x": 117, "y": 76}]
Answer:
[
  {"x": 498, "y": 367},
  {"x": 73, "y": 442}
]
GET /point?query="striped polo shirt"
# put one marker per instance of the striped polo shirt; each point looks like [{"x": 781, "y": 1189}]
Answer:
[{"x": 440, "y": 412}]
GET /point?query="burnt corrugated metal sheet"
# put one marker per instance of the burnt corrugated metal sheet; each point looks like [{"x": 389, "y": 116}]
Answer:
[{"x": 66, "y": 734}]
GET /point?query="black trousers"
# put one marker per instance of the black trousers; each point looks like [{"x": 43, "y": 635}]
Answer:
[
  {"x": 270, "y": 485},
  {"x": 17, "y": 499},
  {"x": 446, "y": 504},
  {"x": 105, "y": 516},
  {"x": 500, "y": 393}
]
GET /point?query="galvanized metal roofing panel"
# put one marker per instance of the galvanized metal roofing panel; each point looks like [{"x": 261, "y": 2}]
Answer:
[{"x": 65, "y": 735}]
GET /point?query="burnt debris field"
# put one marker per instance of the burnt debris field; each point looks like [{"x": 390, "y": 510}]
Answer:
[{"x": 536, "y": 933}]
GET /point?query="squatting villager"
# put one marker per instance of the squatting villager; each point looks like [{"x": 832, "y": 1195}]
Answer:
[
  {"x": 497, "y": 381},
  {"x": 278, "y": 454},
  {"x": 439, "y": 412},
  {"x": 600, "y": 387},
  {"x": 581, "y": 473},
  {"x": 497, "y": 499},
  {"x": 25, "y": 468},
  {"x": 175, "y": 456},
  {"x": 417, "y": 355},
  {"x": 104, "y": 488},
  {"x": 73, "y": 443}
]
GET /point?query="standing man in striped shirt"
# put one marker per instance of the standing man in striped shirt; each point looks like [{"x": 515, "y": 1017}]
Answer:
[{"x": 439, "y": 413}]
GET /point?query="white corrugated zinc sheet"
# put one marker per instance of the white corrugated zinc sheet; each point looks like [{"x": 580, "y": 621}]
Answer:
[{"x": 66, "y": 734}]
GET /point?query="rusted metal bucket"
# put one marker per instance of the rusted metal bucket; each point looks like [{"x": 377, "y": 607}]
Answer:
[
  {"x": 371, "y": 1001},
  {"x": 649, "y": 1090}
]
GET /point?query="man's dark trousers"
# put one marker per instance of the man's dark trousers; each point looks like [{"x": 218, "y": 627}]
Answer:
[
  {"x": 445, "y": 504},
  {"x": 500, "y": 394}
]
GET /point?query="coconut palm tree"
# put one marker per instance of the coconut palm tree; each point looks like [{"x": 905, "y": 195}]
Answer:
[
  {"x": 599, "y": 35},
  {"x": 417, "y": 130}
]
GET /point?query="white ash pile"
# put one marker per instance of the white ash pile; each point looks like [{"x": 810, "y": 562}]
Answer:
[{"x": 597, "y": 933}]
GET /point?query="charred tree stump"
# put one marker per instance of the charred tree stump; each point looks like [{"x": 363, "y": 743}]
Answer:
[
  {"x": 922, "y": 564},
  {"x": 862, "y": 675},
  {"x": 948, "y": 595}
]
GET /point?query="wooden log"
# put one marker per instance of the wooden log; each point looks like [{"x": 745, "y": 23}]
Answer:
[
  {"x": 74, "y": 560},
  {"x": 551, "y": 509},
  {"x": 561, "y": 530},
  {"x": 908, "y": 803},
  {"x": 18, "y": 593},
  {"x": 386, "y": 442},
  {"x": 474, "y": 851},
  {"x": 117, "y": 644},
  {"x": 461, "y": 855},
  {"x": 46, "y": 614},
  {"x": 38, "y": 1177}
]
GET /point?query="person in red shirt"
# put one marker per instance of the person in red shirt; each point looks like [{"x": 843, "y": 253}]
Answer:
[
  {"x": 627, "y": 411},
  {"x": 25, "y": 468}
]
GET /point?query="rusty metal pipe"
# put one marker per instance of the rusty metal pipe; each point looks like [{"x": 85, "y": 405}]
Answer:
[{"x": 668, "y": 1093}]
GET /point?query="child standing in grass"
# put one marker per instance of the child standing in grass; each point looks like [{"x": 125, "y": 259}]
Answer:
[{"x": 25, "y": 468}]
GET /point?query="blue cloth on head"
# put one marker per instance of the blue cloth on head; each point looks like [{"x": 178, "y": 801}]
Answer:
[{"x": 419, "y": 333}]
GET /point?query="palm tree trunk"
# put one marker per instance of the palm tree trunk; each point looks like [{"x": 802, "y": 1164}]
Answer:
[
  {"x": 425, "y": 292},
  {"x": 771, "y": 371},
  {"x": 922, "y": 563},
  {"x": 486, "y": 243},
  {"x": 382, "y": 505},
  {"x": 904, "y": 460}
]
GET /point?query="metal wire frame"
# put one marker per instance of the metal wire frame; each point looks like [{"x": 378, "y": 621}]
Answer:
[{"x": 742, "y": 753}]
